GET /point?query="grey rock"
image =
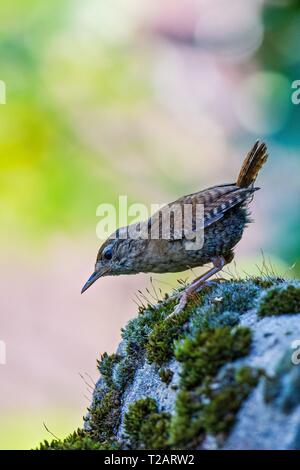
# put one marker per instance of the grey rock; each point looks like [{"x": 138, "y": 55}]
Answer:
[
  {"x": 270, "y": 417},
  {"x": 147, "y": 383},
  {"x": 261, "y": 424}
]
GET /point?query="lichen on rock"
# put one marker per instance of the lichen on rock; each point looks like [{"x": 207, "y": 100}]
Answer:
[{"x": 205, "y": 378}]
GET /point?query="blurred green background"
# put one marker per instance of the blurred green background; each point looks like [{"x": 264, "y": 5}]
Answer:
[{"x": 144, "y": 98}]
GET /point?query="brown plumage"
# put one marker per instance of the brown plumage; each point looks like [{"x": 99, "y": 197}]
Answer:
[
  {"x": 225, "y": 215},
  {"x": 252, "y": 164}
]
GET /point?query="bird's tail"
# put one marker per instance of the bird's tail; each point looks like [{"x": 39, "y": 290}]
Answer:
[{"x": 252, "y": 164}]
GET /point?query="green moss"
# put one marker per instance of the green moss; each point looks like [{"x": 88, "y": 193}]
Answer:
[
  {"x": 236, "y": 296},
  {"x": 280, "y": 300},
  {"x": 137, "y": 330},
  {"x": 266, "y": 282},
  {"x": 154, "y": 334},
  {"x": 106, "y": 366},
  {"x": 166, "y": 375},
  {"x": 136, "y": 336},
  {"x": 79, "y": 440},
  {"x": 248, "y": 376},
  {"x": 187, "y": 429},
  {"x": 211, "y": 343},
  {"x": 125, "y": 370},
  {"x": 203, "y": 355},
  {"x": 211, "y": 317},
  {"x": 145, "y": 427},
  {"x": 224, "y": 305},
  {"x": 160, "y": 345},
  {"x": 198, "y": 412},
  {"x": 220, "y": 413},
  {"x": 118, "y": 371},
  {"x": 210, "y": 410},
  {"x": 160, "y": 342},
  {"x": 105, "y": 414},
  {"x": 203, "y": 338},
  {"x": 136, "y": 414}
]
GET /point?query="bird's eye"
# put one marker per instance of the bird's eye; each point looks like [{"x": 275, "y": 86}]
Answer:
[{"x": 107, "y": 254}]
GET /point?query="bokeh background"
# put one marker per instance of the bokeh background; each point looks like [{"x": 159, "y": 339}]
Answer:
[{"x": 140, "y": 97}]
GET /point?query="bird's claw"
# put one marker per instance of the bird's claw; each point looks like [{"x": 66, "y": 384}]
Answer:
[{"x": 183, "y": 298}]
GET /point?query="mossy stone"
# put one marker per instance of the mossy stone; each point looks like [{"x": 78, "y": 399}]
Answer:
[
  {"x": 166, "y": 375},
  {"x": 145, "y": 427},
  {"x": 105, "y": 415},
  {"x": 160, "y": 345},
  {"x": 280, "y": 300},
  {"x": 203, "y": 355},
  {"x": 220, "y": 413},
  {"x": 78, "y": 440}
]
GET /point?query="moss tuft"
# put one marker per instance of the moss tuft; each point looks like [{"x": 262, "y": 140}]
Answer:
[
  {"x": 280, "y": 300},
  {"x": 105, "y": 414},
  {"x": 267, "y": 282},
  {"x": 106, "y": 366},
  {"x": 79, "y": 440},
  {"x": 145, "y": 427},
  {"x": 210, "y": 409},
  {"x": 160, "y": 345},
  {"x": 136, "y": 336},
  {"x": 203, "y": 355},
  {"x": 220, "y": 413},
  {"x": 138, "y": 329},
  {"x": 166, "y": 375},
  {"x": 224, "y": 305},
  {"x": 211, "y": 317},
  {"x": 237, "y": 296},
  {"x": 187, "y": 429},
  {"x": 124, "y": 371}
]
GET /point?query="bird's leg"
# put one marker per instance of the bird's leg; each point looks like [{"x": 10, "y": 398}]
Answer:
[{"x": 198, "y": 284}]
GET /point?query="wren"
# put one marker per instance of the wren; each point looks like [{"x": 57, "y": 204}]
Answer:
[{"x": 221, "y": 222}]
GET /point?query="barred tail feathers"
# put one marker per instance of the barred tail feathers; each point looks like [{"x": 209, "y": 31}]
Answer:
[{"x": 253, "y": 162}]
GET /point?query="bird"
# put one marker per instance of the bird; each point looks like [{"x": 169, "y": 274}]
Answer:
[{"x": 210, "y": 236}]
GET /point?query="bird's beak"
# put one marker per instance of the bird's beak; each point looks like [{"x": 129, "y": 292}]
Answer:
[{"x": 93, "y": 278}]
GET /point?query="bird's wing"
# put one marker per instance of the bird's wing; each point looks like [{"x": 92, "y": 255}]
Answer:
[
  {"x": 218, "y": 208},
  {"x": 183, "y": 217}
]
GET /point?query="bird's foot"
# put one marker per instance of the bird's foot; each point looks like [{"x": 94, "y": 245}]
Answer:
[
  {"x": 197, "y": 285},
  {"x": 183, "y": 297},
  {"x": 187, "y": 294}
]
